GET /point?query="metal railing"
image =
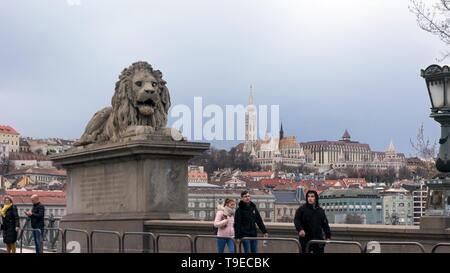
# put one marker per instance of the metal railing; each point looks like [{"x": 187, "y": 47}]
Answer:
[
  {"x": 73, "y": 230},
  {"x": 51, "y": 236},
  {"x": 198, "y": 237},
  {"x": 440, "y": 245},
  {"x": 325, "y": 242},
  {"x": 115, "y": 233},
  {"x": 30, "y": 238},
  {"x": 381, "y": 243},
  {"x": 268, "y": 239},
  {"x": 191, "y": 242},
  {"x": 56, "y": 240},
  {"x": 143, "y": 234}
]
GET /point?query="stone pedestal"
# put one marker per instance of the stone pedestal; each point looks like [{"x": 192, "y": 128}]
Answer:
[
  {"x": 435, "y": 222},
  {"x": 437, "y": 214},
  {"x": 118, "y": 186}
]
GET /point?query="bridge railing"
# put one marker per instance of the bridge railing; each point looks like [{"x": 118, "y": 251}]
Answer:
[
  {"x": 144, "y": 236},
  {"x": 269, "y": 246},
  {"x": 75, "y": 247},
  {"x": 173, "y": 235},
  {"x": 106, "y": 232},
  {"x": 377, "y": 246},
  {"x": 56, "y": 240},
  {"x": 323, "y": 243}
]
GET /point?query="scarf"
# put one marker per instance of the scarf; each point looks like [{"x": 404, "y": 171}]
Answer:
[
  {"x": 5, "y": 209},
  {"x": 228, "y": 211}
]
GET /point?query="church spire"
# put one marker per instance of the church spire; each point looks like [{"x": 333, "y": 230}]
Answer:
[
  {"x": 346, "y": 136},
  {"x": 391, "y": 147},
  {"x": 250, "y": 98},
  {"x": 281, "y": 132}
]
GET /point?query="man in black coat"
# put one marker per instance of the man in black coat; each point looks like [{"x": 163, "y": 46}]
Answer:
[
  {"x": 37, "y": 222},
  {"x": 245, "y": 220},
  {"x": 311, "y": 222}
]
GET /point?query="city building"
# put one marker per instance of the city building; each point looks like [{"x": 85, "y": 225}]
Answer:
[
  {"x": 203, "y": 202},
  {"x": 418, "y": 191},
  {"x": 196, "y": 174},
  {"x": 10, "y": 137},
  {"x": 286, "y": 204},
  {"x": 346, "y": 153},
  {"x": 24, "y": 146},
  {"x": 54, "y": 201},
  {"x": 29, "y": 160},
  {"x": 274, "y": 152},
  {"x": 352, "y": 206},
  {"x": 38, "y": 175},
  {"x": 257, "y": 175},
  {"x": 270, "y": 152},
  {"x": 45, "y": 146},
  {"x": 4, "y": 153},
  {"x": 397, "y": 207},
  {"x": 419, "y": 202}
]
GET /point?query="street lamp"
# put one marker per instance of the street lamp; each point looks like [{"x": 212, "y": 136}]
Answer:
[{"x": 437, "y": 215}]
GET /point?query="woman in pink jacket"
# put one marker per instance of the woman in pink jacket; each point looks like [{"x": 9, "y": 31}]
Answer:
[{"x": 224, "y": 221}]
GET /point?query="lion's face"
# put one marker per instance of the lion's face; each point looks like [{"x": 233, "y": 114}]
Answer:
[{"x": 145, "y": 92}]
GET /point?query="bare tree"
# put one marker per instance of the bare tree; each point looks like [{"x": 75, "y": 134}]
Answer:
[
  {"x": 434, "y": 18},
  {"x": 423, "y": 147}
]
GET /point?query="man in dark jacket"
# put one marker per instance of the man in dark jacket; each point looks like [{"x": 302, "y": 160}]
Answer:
[
  {"x": 36, "y": 216},
  {"x": 311, "y": 222},
  {"x": 246, "y": 218}
]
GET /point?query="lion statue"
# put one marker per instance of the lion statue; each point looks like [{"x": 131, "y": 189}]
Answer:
[{"x": 141, "y": 100}]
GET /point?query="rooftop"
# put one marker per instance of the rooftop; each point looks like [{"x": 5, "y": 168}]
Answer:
[
  {"x": 6, "y": 129},
  {"x": 349, "y": 193},
  {"x": 28, "y": 156},
  {"x": 45, "y": 197},
  {"x": 42, "y": 171}
]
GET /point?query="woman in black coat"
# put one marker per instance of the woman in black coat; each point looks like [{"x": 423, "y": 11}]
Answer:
[{"x": 10, "y": 224}]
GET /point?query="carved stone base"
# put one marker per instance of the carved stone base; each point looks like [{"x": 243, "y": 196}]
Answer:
[
  {"x": 434, "y": 222},
  {"x": 127, "y": 182}
]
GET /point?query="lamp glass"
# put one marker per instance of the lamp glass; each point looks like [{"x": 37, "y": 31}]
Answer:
[{"x": 437, "y": 93}]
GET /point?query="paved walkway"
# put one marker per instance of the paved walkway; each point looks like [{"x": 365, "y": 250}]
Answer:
[{"x": 24, "y": 250}]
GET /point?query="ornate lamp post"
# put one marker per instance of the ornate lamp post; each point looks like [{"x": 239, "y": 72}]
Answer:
[{"x": 437, "y": 214}]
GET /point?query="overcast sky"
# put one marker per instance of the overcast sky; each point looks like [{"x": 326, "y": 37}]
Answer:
[{"x": 330, "y": 65}]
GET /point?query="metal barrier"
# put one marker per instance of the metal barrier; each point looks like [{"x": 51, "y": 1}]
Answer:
[
  {"x": 308, "y": 245},
  {"x": 174, "y": 235},
  {"x": 32, "y": 230},
  {"x": 380, "y": 243},
  {"x": 295, "y": 241},
  {"x": 64, "y": 239},
  {"x": 52, "y": 240},
  {"x": 433, "y": 250},
  {"x": 115, "y": 233},
  {"x": 211, "y": 236},
  {"x": 139, "y": 234}
]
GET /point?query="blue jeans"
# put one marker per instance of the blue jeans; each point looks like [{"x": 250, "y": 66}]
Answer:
[
  {"x": 37, "y": 235},
  {"x": 250, "y": 245},
  {"x": 221, "y": 242}
]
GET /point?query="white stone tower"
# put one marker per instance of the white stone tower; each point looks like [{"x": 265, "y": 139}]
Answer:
[{"x": 250, "y": 124}]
